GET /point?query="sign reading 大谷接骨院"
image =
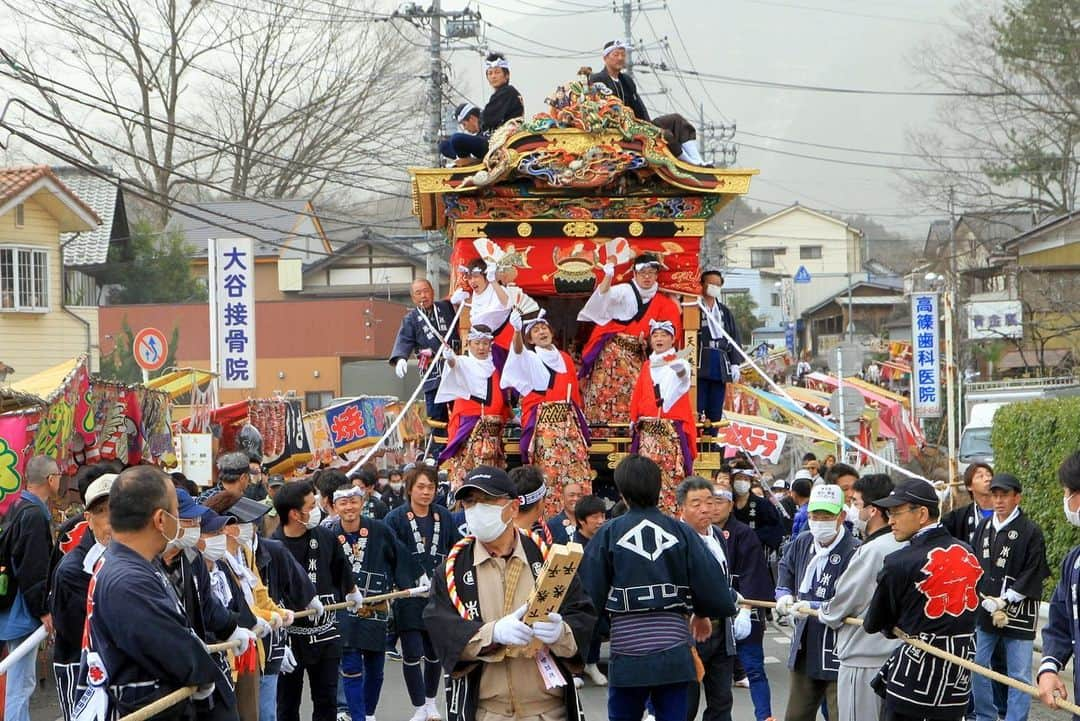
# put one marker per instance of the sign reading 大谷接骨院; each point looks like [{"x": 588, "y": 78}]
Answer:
[{"x": 232, "y": 310}]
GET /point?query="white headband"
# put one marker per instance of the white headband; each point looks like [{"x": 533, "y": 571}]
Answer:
[
  {"x": 347, "y": 493},
  {"x": 465, "y": 110},
  {"x": 615, "y": 45},
  {"x": 667, "y": 325},
  {"x": 527, "y": 326},
  {"x": 500, "y": 63},
  {"x": 481, "y": 335},
  {"x": 471, "y": 270},
  {"x": 647, "y": 264},
  {"x": 534, "y": 496}
]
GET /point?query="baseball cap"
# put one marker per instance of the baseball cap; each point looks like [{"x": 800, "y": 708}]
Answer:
[
  {"x": 210, "y": 521},
  {"x": 779, "y": 483},
  {"x": 187, "y": 507},
  {"x": 276, "y": 480},
  {"x": 490, "y": 480},
  {"x": 99, "y": 488},
  {"x": 1000, "y": 481},
  {"x": 247, "y": 510},
  {"x": 913, "y": 491},
  {"x": 826, "y": 498},
  {"x": 803, "y": 473}
]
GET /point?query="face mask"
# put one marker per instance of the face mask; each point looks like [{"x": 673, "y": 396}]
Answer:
[
  {"x": 215, "y": 548},
  {"x": 1073, "y": 517},
  {"x": 714, "y": 291},
  {"x": 172, "y": 541},
  {"x": 485, "y": 521},
  {"x": 823, "y": 532},
  {"x": 742, "y": 487},
  {"x": 397, "y": 486},
  {"x": 857, "y": 521},
  {"x": 246, "y": 534},
  {"x": 314, "y": 517},
  {"x": 189, "y": 538}
]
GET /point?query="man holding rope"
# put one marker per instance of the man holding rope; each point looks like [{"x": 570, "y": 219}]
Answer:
[{"x": 927, "y": 590}]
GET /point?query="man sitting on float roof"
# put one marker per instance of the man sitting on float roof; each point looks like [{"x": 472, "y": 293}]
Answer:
[{"x": 680, "y": 135}]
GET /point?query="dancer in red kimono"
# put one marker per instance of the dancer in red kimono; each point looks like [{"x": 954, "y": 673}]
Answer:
[
  {"x": 492, "y": 300},
  {"x": 613, "y": 355},
  {"x": 554, "y": 433},
  {"x": 471, "y": 381},
  {"x": 663, "y": 419}
]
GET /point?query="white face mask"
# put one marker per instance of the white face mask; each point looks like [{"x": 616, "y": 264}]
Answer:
[
  {"x": 215, "y": 548},
  {"x": 1073, "y": 517},
  {"x": 823, "y": 532},
  {"x": 246, "y": 534},
  {"x": 714, "y": 291},
  {"x": 396, "y": 486},
  {"x": 485, "y": 521},
  {"x": 314, "y": 518},
  {"x": 857, "y": 521},
  {"x": 188, "y": 538},
  {"x": 742, "y": 487},
  {"x": 172, "y": 541}
]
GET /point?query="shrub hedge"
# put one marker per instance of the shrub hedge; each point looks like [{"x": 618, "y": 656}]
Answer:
[{"x": 1030, "y": 440}]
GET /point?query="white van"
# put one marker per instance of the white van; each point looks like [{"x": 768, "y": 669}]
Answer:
[{"x": 975, "y": 438}]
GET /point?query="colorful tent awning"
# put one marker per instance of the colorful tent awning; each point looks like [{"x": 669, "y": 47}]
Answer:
[
  {"x": 180, "y": 381},
  {"x": 48, "y": 383}
]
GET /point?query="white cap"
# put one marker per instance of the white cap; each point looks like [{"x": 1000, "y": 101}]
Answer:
[
  {"x": 779, "y": 483},
  {"x": 99, "y": 488},
  {"x": 803, "y": 473}
]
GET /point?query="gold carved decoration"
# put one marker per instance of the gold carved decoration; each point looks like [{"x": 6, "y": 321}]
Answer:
[
  {"x": 689, "y": 227},
  {"x": 466, "y": 229},
  {"x": 577, "y": 142},
  {"x": 524, "y": 230},
  {"x": 636, "y": 229},
  {"x": 580, "y": 229},
  {"x": 426, "y": 183}
]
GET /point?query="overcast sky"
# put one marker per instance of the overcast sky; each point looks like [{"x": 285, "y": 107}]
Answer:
[{"x": 864, "y": 44}]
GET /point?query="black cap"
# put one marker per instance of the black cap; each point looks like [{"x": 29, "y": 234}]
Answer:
[
  {"x": 1006, "y": 482},
  {"x": 276, "y": 480},
  {"x": 492, "y": 481},
  {"x": 247, "y": 510},
  {"x": 914, "y": 491}
]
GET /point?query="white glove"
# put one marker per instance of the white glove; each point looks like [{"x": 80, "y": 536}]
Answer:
[
  {"x": 242, "y": 638},
  {"x": 317, "y": 606},
  {"x": 991, "y": 604},
  {"x": 288, "y": 618},
  {"x": 447, "y": 352},
  {"x": 510, "y": 631},
  {"x": 736, "y": 372},
  {"x": 401, "y": 367},
  {"x": 549, "y": 631},
  {"x": 515, "y": 319},
  {"x": 459, "y": 296},
  {"x": 276, "y": 620},
  {"x": 355, "y": 599},
  {"x": 800, "y": 608},
  {"x": 680, "y": 366},
  {"x": 288, "y": 661},
  {"x": 422, "y": 586},
  {"x": 742, "y": 625},
  {"x": 784, "y": 603},
  {"x": 203, "y": 692},
  {"x": 609, "y": 270},
  {"x": 490, "y": 273},
  {"x": 263, "y": 628},
  {"x": 1012, "y": 596}
]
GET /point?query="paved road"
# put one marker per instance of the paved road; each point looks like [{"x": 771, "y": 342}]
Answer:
[{"x": 394, "y": 705}]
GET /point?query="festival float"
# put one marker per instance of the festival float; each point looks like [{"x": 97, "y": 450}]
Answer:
[{"x": 562, "y": 194}]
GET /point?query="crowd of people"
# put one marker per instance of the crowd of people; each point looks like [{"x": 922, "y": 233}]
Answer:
[{"x": 137, "y": 590}]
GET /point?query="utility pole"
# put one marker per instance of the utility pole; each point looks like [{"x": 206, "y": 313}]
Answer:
[
  {"x": 435, "y": 101},
  {"x": 627, "y": 19},
  {"x": 950, "y": 348},
  {"x": 703, "y": 136}
]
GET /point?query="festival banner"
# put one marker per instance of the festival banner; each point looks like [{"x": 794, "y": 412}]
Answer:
[
  {"x": 357, "y": 422},
  {"x": 17, "y": 432},
  {"x": 545, "y": 266},
  {"x": 755, "y": 441},
  {"x": 66, "y": 429}
]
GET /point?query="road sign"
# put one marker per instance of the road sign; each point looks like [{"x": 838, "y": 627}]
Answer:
[
  {"x": 150, "y": 349},
  {"x": 802, "y": 275}
]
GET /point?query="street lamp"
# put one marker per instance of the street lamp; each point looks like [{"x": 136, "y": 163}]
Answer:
[{"x": 941, "y": 283}]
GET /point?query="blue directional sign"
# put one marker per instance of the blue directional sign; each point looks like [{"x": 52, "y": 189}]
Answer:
[{"x": 802, "y": 275}]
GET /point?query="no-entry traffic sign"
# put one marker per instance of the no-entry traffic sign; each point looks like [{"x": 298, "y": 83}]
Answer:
[{"x": 150, "y": 349}]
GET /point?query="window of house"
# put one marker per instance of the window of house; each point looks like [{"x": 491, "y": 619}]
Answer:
[
  {"x": 762, "y": 257},
  {"x": 774, "y": 300},
  {"x": 809, "y": 252},
  {"x": 79, "y": 288},
  {"x": 24, "y": 280},
  {"x": 20, "y": 215},
  {"x": 314, "y": 400}
]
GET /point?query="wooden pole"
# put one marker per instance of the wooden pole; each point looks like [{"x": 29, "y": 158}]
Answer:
[
  {"x": 165, "y": 702},
  {"x": 369, "y": 600},
  {"x": 944, "y": 655}
]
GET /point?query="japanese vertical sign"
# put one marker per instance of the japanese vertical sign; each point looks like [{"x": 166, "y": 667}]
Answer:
[
  {"x": 926, "y": 356},
  {"x": 233, "y": 311}
]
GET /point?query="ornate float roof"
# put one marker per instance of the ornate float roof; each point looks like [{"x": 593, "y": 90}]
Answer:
[{"x": 587, "y": 157}]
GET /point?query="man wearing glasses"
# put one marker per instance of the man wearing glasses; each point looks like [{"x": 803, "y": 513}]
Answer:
[{"x": 927, "y": 590}]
